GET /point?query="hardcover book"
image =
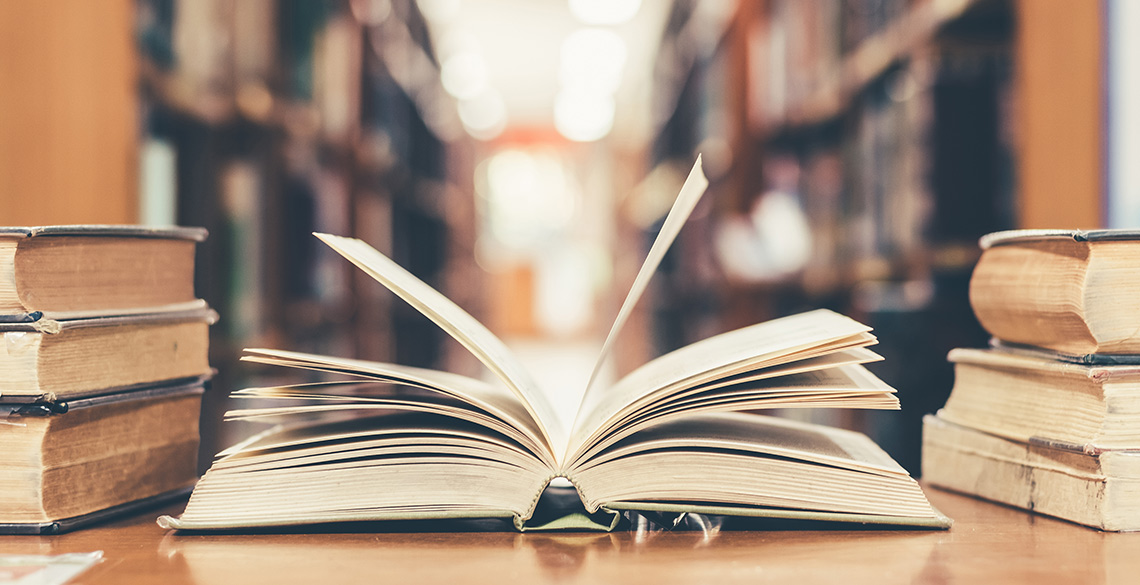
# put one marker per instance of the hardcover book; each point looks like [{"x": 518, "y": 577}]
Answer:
[
  {"x": 1069, "y": 291},
  {"x": 49, "y": 359},
  {"x": 1023, "y": 396},
  {"x": 1099, "y": 489},
  {"x": 676, "y": 435},
  {"x": 66, "y": 272},
  {"x": 68, "y": 463}
]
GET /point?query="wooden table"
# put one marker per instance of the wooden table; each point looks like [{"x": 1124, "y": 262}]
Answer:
[{"x": 988, "y": 544}]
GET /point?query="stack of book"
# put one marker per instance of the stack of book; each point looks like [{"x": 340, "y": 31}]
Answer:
[
  {"x": 103, "y": 362},
  {"x": 1048, "y": 418}
]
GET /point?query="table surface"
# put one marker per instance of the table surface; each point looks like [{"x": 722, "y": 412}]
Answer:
[{"x": 988, "y": 543}]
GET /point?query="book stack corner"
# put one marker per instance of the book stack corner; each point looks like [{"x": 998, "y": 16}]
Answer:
[
  {"x": 1048, "y": 417},
  {"x": 102, "y": 371}
]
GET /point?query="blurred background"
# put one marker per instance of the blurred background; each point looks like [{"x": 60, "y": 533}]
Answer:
[{"x": 519, "y": 155}]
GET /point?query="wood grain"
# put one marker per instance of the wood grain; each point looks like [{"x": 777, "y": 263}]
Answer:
[
  {"x": 1059, "y": 128},
  {"x": 988, "y": 543},
  {"x": 69, "y": 111}
]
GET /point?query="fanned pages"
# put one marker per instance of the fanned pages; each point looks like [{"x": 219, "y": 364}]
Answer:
[{"x": 679, "y": 434}]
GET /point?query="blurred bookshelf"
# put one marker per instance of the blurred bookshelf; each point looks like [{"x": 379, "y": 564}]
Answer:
[
  {"x": 267, "y": 120},
  {"x": 871, "y": 143},
  {"x": 856, "y": 149}
]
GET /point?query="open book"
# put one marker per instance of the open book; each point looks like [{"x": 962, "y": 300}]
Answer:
[{"x": 677, "y": 434}]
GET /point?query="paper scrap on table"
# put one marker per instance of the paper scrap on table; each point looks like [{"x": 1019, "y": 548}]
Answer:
[{"x": 45, "y": 569}]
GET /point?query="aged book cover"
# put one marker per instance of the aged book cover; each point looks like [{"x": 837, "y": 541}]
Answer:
[
  {"x": 47, "y": 359},
  {"x": 1068, "y": 291},
  {"x": 66, "y": 272},
  {"x": 1100, "y": 489},
  {"x": 71, "y": 462}
]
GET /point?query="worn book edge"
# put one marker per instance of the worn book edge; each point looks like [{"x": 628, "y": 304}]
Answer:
[
  {"x": 56, "y": 321},
  {"x": 1087, "y": 359},
  {"x": 69, "y": 524},
  {"x": 1018, "y": 236},
  {"x": 195, "y": 234}
]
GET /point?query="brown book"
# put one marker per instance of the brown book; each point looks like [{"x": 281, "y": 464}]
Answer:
[
  {"x": 1069, "y": 291},
  {"x": 83, "y": 270},
  {"x": 1096, "y": 489},
  {"x": 69, "y": 462},
  {"x": 50, "y": 359},
  {"x": 1025, "y": 397}
]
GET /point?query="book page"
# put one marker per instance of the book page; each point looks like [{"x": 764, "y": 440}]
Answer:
[
  {"x": 752, "y": 461},
  {"x": 691, "y": 191},
  {"x": 770, "y": 343},
  {"x": 494, "y": 399},
  {"x": 461, "y": 326},
  {"x": 391, "y": 467},
  {"x": 355, "y": 398},
  {"x": 849, "y": 386},
  {"x": 761, "y": 434}
]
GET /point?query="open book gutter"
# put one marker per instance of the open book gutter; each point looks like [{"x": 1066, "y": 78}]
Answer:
[{"x": 678, "y": 434}]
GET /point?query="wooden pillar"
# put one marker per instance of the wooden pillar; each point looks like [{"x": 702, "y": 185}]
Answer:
[
  {"x": 68, "y": 112},
  {"x": 1060, "y": 113}
]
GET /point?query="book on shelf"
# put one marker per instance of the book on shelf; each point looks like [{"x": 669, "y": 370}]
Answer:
[
  {"x": 1099, "y": 489},
  {"x": 69, "y": 463},
  {"x": 1070, "y": 291},
  {"x": 671, "y": 436},
  {"x": 66, "y": 272},
  {"x": 48, "y": 359}
]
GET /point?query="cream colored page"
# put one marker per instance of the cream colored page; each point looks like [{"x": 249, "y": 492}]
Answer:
[
  {"x": 760, "y": 342},
  {"x": 492, "y": 398},
  {"x": 850, "y": 386},
  {"x": 762, "y": 434},
  {"x": 853, "y": 378},
  {"x": 460, "y": 325},
  {"x": 858, "y": 355},
  {"x": 691, "y": 191},
  {"x": 290, "y": 415}
]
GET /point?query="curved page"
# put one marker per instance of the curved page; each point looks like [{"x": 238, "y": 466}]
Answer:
[
  {"x": 317, "y": 400},
  {"x": 850, "y": 386},
  {"x": 771, "y": 343},
  {"x": 764, "y": 435},
  {"x": 490, "y": 398},
  {"x": 691, "y": 191},
  {"x": 460, "y": 325}
]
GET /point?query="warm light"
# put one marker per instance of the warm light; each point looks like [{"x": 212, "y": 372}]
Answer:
[
  {"x": 592, "y": 60},
  {"x": 604, "y": 12},
  {"x": 485, "y": 116},
  {"x": 528, "y": 198},
  {"x": 455, "y": 40},
  {"x": 440, "y": 11},
  {"x": 583, "y": 116},
  {"x": 464, "y": 75}
]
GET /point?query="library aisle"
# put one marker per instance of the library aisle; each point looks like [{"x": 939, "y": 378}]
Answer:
[{"x": 521, "y": 157}]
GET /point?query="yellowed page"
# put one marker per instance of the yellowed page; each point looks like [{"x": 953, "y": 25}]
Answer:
[
  {"x": 691, "y": 191},
  {"x": 355, "y": 398},
  {"x": 491, "y": 398},
  {"x": 762, "y": 434},
  {"x": 752, "y": 461},
  {"x": 460, "y": 325},
  {"x": 849, "y": 386},
  {"x": 772, "y": 342}
]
